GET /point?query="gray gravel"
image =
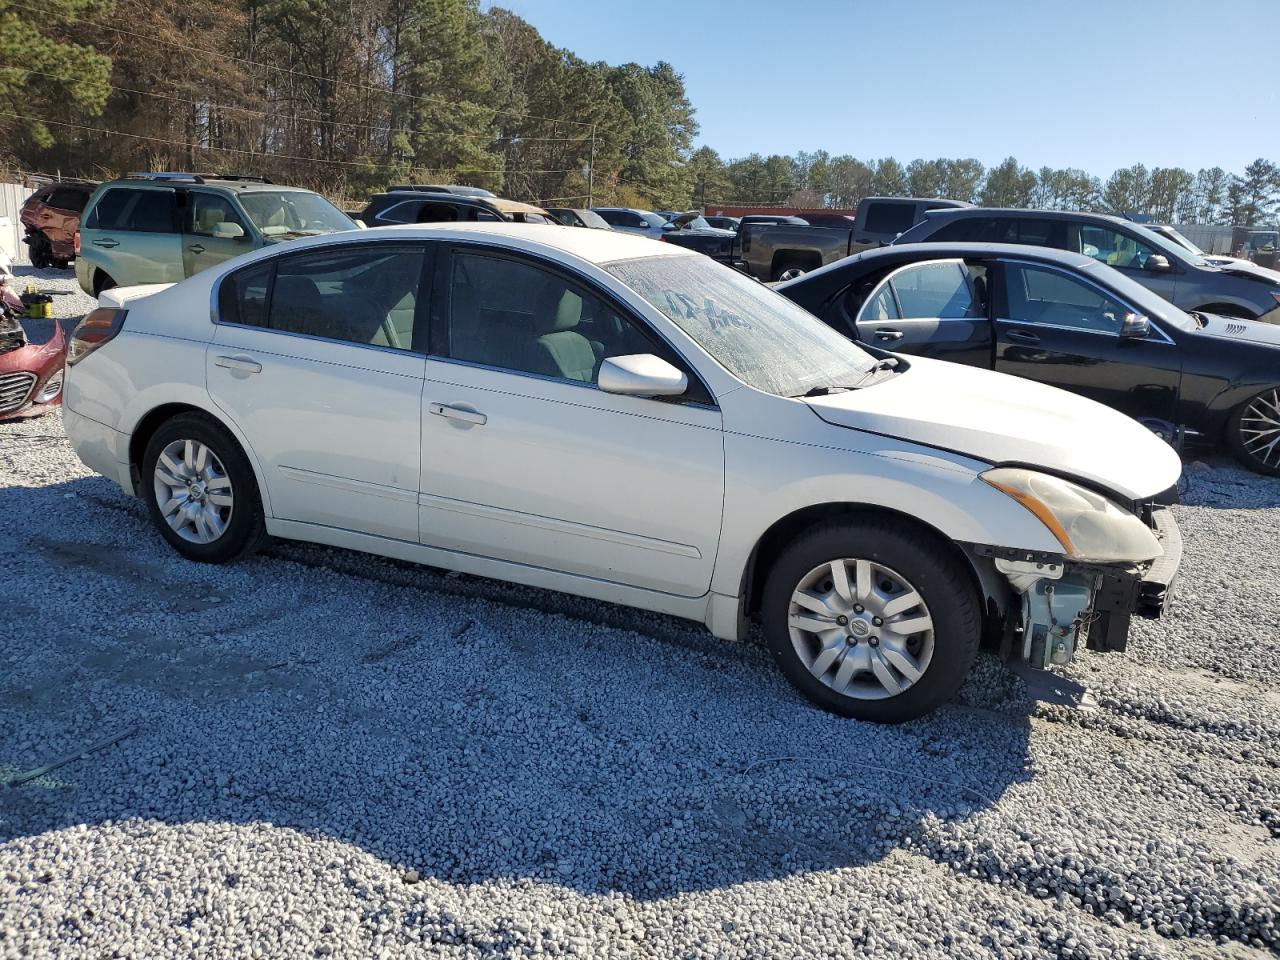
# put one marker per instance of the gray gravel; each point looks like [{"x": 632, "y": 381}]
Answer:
[{"x": 329, "y": 754}]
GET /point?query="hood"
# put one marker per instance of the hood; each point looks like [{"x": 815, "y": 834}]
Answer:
[
  {"x": 1251, "y": 271},
  {"x": 1003, "y": 419},
  {"x": 1233, "y": 328}
]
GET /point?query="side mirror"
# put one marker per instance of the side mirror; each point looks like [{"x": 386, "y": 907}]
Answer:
[
  {"x": 1135, "y": 327},
  {"x": 641, "y": 375},
  {"x": 1156, "y": 263},
  {"x": 227, "y": 231}
]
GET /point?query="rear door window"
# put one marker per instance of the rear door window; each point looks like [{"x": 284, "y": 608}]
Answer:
[{"x": 136, "y": 211}]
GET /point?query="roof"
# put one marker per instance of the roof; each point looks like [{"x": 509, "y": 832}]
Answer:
[
  {"x": 593, "y": 246},
  {"x": 957, "y": 212}
]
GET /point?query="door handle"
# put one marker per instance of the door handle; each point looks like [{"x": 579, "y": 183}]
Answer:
[
  {"x": 1022, "y": 336},
  {"x": 458, "y": 413},
  {"x": 196, "y": 248},
  {"x": 243, "y": 364},
  {"x": 106, "y": 243},
  {"x": 885, "y": 333}
]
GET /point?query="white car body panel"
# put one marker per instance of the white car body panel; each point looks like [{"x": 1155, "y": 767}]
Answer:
[
  {"x": 632, "y": 500},
  {"x": 565, "y": 475}
]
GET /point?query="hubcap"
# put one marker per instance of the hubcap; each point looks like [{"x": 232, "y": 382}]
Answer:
[
  {"x": 790, "y": 274},
  {"x": 193, "y": 491},
  {"x": 1260, "y": 428},
  {"x": 861, "y": 628}
]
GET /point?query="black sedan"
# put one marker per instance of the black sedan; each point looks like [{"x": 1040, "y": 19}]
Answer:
[{"x": 1069, "y": 321}]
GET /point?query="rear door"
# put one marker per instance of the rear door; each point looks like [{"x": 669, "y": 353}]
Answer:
[
  {"x": 932, "y": 309},
  {"x": 318, "y": 357},
  {"x": 206, "y": 216},
  {"x": 132, "y": 234},
  {"x": 1055, "y": 326}
]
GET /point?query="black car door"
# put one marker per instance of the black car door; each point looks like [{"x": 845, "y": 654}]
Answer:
[
  {"x": 1055, "y": 326},
  {"x": 937, "y": 308}
]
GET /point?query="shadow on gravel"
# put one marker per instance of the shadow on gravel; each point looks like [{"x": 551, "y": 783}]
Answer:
[
  {"x": 1220, "y": 481},
  {"x": 454, "y": 726}
]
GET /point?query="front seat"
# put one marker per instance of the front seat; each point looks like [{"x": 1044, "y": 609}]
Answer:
[{"x": 559, "y": 350}]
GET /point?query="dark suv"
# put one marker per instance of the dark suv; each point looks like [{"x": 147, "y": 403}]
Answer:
[
  {"x": 1238, "y": 289},
  {"x": 416, "y": 204},
  {"x": 50, "y": 218}
]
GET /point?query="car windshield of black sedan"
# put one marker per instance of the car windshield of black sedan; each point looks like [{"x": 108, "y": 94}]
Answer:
[{"x": 759, "y": 336}]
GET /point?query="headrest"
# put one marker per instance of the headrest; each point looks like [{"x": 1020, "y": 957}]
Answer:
[{"x": 557, "y": 309}]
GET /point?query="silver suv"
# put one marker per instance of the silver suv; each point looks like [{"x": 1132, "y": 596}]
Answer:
[
  {"x": 162, "y": 227},
  {"x": 1237, "y": 289}
]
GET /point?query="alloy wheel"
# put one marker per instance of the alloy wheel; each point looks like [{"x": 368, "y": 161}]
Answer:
[
  {"x": 193, "y": 491},
  {"x": 861, "y": 628},
  {"x": 791, "y": 273},
  {"x": 1260, "y": 428}
]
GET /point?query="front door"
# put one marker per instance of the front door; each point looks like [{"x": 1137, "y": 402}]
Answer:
[
  {"x": 1058, "y": 328},
  {"x": 1123, "y": 251},
  {"x": 525, "y": 459},
  {"x": 932, "y": 309},
  {"x": 213, "y": 231},
  {"x": 317, "y": 360}
]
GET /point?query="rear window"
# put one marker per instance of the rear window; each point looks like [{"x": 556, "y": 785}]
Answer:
[
  {"x": 136, "y": 211},
  {"x": 890, "y": 218},
  {"x": 68, "y": 199}
]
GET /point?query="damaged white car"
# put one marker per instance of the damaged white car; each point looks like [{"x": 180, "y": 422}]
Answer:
[{"x": 617, "y": 418}]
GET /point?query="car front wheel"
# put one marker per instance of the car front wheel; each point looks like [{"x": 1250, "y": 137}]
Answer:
[
  {"x": 1253, "y": 432},
  {"x": 201, "y": 491},
  {"x": 871, "y": 621}
]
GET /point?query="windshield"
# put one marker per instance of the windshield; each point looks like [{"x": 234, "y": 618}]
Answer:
[
  {"x": 293, "y": 213},
  {"x": 1172, "y": 248},
  {"x": 1178, "y": 238},
  {"x": 759, "y": 336},
  {"x": 697, "y": 223}
]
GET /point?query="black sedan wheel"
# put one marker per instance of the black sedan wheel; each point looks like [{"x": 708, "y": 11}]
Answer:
[{"x": 1254, "y": 432}]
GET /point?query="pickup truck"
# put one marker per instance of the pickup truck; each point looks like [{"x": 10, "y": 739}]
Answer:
[{"x": 785, "y": 251}]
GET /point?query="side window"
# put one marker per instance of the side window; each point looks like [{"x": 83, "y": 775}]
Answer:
[
  {"x": 1042, "y": 233},
  {"x": 66, "y": 199},
  {"x": 965, "y": 229},
  {"x": 929, "y": 290},
  {"x": 610, "y": 217},
  {"x": 405, "y": 212},
  {"x": 881, "y": 307},
  {"x": 243, "y": 296},
  {"x": 437, "y": 213},
  {"x": 890, "y": 218},
  {"x": 365, "y": 295},
  {"x": 208, "y": 210},
  {"x": 108, "y": 212},
  {"x": 1113, "y": 248},
  {"x": 486, "y": 215},
  {"x": 510, "y": 314},
  {"x": 1048, "y": 296}
]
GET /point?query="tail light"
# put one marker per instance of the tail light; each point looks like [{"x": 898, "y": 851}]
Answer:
[
  {"x": 75, "y": 240},
  {"x": 99, "y": 327}
]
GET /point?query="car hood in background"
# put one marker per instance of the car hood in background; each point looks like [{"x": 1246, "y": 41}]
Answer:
[
  {"x": 1245, "y": 268},
  {"x": 1003, "y": 419},
  {"x": 1248, "y": 331}
]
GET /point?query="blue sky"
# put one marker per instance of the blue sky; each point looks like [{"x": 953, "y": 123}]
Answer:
[{"x": 1078, "y": 83}]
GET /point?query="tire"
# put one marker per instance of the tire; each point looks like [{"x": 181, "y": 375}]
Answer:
[
  {"x": 1249, "y": 432},
  {"x": 1228, "y": 310},
  {"x": 62, "y": 264},
  {"x": 102, "y": 281},
  {"x": 40, "y": 251},
  {"x": 220, "y": 487},
  {"x": 789, "y": 270},
  {"x": 911, "y": 562}
]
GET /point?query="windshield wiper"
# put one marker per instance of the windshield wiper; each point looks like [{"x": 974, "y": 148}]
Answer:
[{"x": 888, "y": 363}]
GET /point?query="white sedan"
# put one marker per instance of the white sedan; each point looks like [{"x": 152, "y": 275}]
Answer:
[{"x": 622, "y": 419}]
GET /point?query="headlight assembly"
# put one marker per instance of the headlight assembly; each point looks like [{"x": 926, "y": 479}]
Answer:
[{"x": 1089, "y": 526}]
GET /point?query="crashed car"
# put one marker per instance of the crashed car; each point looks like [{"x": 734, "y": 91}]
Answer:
[
  {"x": 596, "y": 413},
  {"x": 30, "y": 373}
]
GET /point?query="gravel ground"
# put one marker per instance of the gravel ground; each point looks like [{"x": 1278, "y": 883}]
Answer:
[{"x": 329, "y": 754}]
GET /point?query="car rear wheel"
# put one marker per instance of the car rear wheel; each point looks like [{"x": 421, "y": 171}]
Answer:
[
  {"x": 201, "y": 491},
  {"x": 102, "y": 281},
  {"x": 871, "y": 621},
  {"x": 40, "y": 252},
  {"x": 1253, "y": 432},
  {"x": 790, "y": 270}
]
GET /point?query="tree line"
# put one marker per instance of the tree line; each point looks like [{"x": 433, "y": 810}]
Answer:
[{"x": 347, "y": 96}]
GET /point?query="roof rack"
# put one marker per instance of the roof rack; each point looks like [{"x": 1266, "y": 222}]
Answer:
[
  {"x": 161, "y": 175},
  {"x": 194, "y": 177}
]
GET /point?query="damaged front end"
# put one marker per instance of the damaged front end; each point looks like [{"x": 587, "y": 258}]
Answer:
[{"x": 1115, "y": 564}]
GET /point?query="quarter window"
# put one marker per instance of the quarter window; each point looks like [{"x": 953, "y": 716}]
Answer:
[
  {"x": 1053, "y": 298},
  {"x": 510, "y": 314}
]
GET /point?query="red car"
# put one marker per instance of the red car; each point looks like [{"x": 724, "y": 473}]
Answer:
[
  {"x": 51, "y": 217},
  {"x": 30, "y": 373}
]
